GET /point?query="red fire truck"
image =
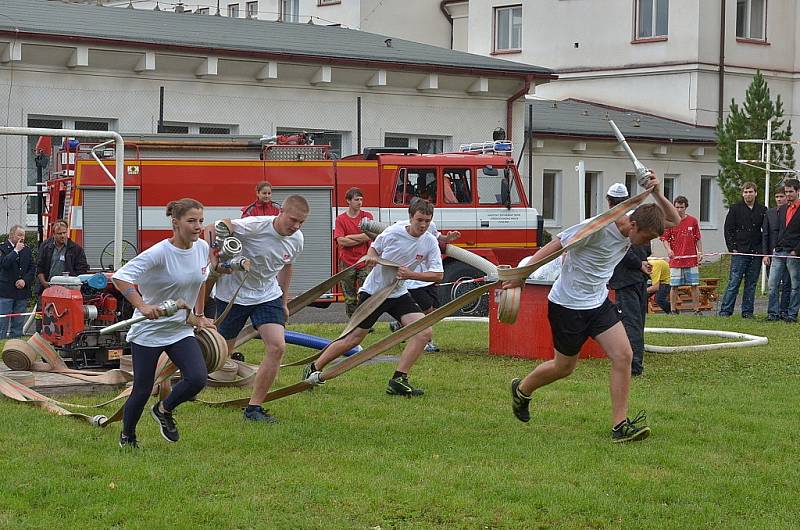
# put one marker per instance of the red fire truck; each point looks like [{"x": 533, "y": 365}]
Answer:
[{"x": 477, "y": 192}]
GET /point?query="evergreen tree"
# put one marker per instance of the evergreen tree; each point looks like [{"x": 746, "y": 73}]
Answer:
[{"x": 750, "y": 122}]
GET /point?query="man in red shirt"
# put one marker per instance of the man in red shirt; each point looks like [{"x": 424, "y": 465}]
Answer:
[
  {"x": 353, "y": 244},
  {"x": 684, "y": 241},
  {"x": 263, "y": 204}
]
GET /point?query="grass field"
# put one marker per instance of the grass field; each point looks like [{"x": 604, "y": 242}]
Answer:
[{"x": 723, "y": 452}]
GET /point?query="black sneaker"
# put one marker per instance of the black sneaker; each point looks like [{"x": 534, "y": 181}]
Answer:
[
  {"x": 126, "y": 441},
  {"x": 237, "y": 356},
  {"x": 169, "y": 429},
  {"x": 394, "y": 326},
  {"x": 519, "y": 402},
  {"x": 628, "y": 431},
  {"x": 259, "y": 414},
  {"x": 399, "y": 386}
]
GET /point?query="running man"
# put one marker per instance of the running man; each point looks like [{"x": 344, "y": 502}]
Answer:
[
  {"x": 579, "y": 308},
  {"x": 411, "y": 247},
  {"x": 272, "y": 244}
]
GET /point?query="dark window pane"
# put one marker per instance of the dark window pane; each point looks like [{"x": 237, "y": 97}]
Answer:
[
  {"x": 741, "y": 18},
  {"x": 645, "y": 19},
  {"x": 395, "y": 141},
  {"x": 430, "y": 145},
  {"x": 215, "y": 130},
  {"x": 44, "y": 124},
  {"x": 175, "y": 129},
  {"x": 549, "y": 194},
  {"x": 757, "y": 19},
  {"x": 662, "y": 18}
]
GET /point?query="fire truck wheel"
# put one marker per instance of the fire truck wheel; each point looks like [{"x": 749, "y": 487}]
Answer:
[
  {"x": 455, "y": 270},
  {"x": 237, "y": 356},
  {"x": 107, "y": 254}
]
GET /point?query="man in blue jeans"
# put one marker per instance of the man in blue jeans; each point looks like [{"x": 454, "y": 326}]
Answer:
[
  {"x": 743, "y": 236},
  {"x": 17, "y": 272},
  {"x": 769, "y": 237},
  {"x": 786, "y": 248}
]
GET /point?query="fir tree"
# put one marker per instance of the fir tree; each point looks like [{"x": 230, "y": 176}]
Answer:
[{"x": 750, "y": 122}]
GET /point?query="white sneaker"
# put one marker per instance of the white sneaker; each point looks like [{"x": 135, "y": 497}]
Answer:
[{"x": 431, "y": 347}]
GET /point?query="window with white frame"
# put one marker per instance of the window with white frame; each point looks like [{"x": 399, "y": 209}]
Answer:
[
  {"x": 508, "y": 28},
  {"x": 423, "y": 144},
  {"x": 430, "y": 146},
  {"x": 669, "y": 185},
  {"x": 233, "y": 10},
  {"x": 652, "y": 18},
  {"x": 751, "y": 19},
  {"x": 396, "y": 141},
  {"x": 551, "y": 184},
  {"x": 591, "y": 193},
  {"x": 251, "y": 9},
  {"x": 198, "y": 128},
  {"x": 328, "y": 2},
  {"x": 290, "y": 10},
  {"x": 707, "y": 199},
  {"x": 334, "y": 139}
]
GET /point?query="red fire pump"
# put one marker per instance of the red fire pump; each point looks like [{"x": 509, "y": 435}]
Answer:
[{"x": 74, "y": 309}]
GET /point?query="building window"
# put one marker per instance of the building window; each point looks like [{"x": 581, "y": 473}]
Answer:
[
  {"x": 233, "y": 10},
  {"x": 203, "y": 11},
  {"x": 332, "y": 139},
  {"x": 508, "y": 28},
  {"x": 174, "y": 129},
  {"x": 328, "y": 2},
  {"x": 652, "y": 18},
  {"x": 395, "y": 141},
  {"x": 551, "y": 180},
  {"x": 707, "y": 192},
  {"x": 251, "y": 9},
  {"x": 290, "y": 10},
  {"x": 591, "y": 192},
  {"x": 430, "y": 146},
  {"x": 214, "y": 130},
  {"x": 751, "y": 19},
  {"x": 668, "y": 186}
]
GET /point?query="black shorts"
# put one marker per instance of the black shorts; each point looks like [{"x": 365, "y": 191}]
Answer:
[
  {"x": 426, "y": 297},
  {"x": 571, "y": 327},
  {"x": 397, "y": 307}
]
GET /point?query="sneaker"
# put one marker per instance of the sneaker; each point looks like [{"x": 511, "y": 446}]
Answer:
[
  {"x": 431, "y": 347},
  {"x": 774, "y": 319},
  {"x": 237, "y": 356},
  {"x": 748, "y": 315},
  {"x": 394, "y": 326},
  {"x": 399, "y": 386},
  {"x": 628, "y": 431},
  {"x": 126, "y": 441},
  {"x": 169, "y": 429},
  {"x": 307, "y": 371},
  {"x": 259, "y": 414},
  {"x": 519, "y": 402}
]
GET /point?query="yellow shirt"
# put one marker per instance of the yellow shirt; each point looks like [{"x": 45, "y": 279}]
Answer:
[{"x": 660, "y": 272}]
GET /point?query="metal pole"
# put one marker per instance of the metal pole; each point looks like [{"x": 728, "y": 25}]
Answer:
[
  {"x": 358, "y": 124},
  {"x": 160, "y": 110},
  {"x": 530, "y": 153},
  {"x": 767, "y": 169},
  {"x": 119, "y": 170}
]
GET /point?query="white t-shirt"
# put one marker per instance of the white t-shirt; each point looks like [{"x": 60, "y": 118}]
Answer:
[
  {"x": 397, "y": 245},
  {"x": 166, "y": 272},
  {"x": 416, "y": 284},
  {"x": 269, "y": 252},
  {"x": 587, "y": 267}
]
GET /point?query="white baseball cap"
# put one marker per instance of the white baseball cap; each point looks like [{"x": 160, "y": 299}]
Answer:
[{"x": 617, "y": 190}]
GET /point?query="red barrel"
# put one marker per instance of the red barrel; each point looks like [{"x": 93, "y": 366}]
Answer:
[{"x": 529, "y": 336}]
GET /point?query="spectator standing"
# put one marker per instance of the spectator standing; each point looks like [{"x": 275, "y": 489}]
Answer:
[
  {"x": 685, "y": 251},
  {"x": 743, "y": 236},
  {"x": 769, "y": 236},
  {"x": 659, "y": 283},
  {"x": 263, "y": 204},
  {"x": 353, "y": 244},
  {"x": 59, "y": 255},
  {"x": 787, "y": 245},
  {"x": 17, "y": 272}
]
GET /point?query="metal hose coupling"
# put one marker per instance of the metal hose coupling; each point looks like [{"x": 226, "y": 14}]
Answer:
[
  {"x": 230, "y": 248},
  {"x": 239, "y": 263},
  {"x": 168, "y": 307},
  {"x": 370, "y": 226}
]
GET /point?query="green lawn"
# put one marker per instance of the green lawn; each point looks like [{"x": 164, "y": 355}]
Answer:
[{"x": 723, "y": 452}]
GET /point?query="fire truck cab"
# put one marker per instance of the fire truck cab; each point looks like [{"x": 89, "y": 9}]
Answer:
[{"x": 476, "y": 191}]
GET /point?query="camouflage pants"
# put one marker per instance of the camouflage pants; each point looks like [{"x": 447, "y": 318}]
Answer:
[{"x": 350, "y": 284}]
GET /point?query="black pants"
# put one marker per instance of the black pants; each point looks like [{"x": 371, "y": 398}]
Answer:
[
  {"x": 186, "y": 355},
  {"x": 632, "y": 300}
]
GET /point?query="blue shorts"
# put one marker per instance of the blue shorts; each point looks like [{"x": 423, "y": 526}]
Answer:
[
  {"x": 684, "y": 276},
  {"x": 264, "y": 313}
]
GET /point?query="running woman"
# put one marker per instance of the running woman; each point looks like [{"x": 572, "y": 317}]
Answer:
[{"x": 176, "y": 268}]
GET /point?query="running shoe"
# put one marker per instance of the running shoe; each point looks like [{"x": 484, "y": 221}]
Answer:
[
  {"x": 166, "y": 423},
  {"x": 126, "y": 441},
  {"x": 259, "y": 415},
  {"x": 399, "y": 386},
  {"x": 520, "y": 402},
  {"x": 631, "y": 430}
]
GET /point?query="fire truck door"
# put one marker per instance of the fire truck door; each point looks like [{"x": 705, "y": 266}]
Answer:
[
  {"x": 501, "y": 217},
  {"x": 315, "y": 263},
  {"x": 97, "y": 221},
  {"x": 456, "y": 205}
]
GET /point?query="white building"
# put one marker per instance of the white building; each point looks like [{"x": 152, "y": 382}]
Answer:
[
  {"x": 676, "y": 58},
  {"x": 416, "y": 20}
]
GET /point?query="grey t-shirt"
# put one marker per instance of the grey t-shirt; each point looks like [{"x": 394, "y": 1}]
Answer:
[{"x": 57, "y": 262}]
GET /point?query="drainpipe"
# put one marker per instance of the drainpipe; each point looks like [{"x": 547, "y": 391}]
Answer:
[
  {"x": 721, "y": 81},
  {"x": 443, "y": 9},
  {"x": 510, "y": 103}
]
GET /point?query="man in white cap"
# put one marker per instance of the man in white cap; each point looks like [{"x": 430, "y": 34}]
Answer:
[{"x": 629, "y": 282}]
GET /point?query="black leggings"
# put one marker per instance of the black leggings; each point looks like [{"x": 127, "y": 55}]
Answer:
[{"x": 186, "y": 355}]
